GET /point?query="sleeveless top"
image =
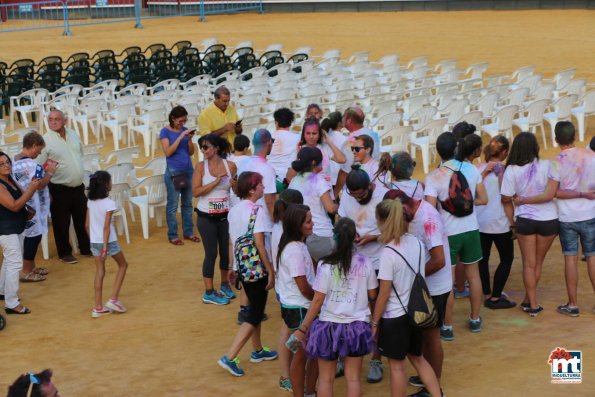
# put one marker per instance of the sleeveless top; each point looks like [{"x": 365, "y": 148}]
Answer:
[
  {"x": 11, "y": 222},
  {"x": 216, "y": 202}
]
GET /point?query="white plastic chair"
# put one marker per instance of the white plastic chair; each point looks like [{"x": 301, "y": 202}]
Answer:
[
  {"x": 562, "y": 112},
  {"x": 585, "y": 109},
  {"x": 165, "y": 85},
  {"x": 89, "y": 110},
  {"x": 395, "y": 139},
  {"x": 34, "y": 101},
  {"x": 116, "y": 120},
  {"x": 123, "y": 155},
  {"x": 146, "y": 125},
  {"x": 533, "y": 118},
  {"x": 503, "y": 122},
  {"x": 476, "y": 70},
  {"x": 486, "y": 105},
  {"x": 120, "y": 193},
  {"x": 425, "y": 138},
  {"x": 91, "y": 162},
  {"x": 154, "y": 199},
  {"x": 3, "y": 125},
  {"x": 454, "y": 111},
  {"x": 473, "y": 117},
  {"x": 422, "y": 116},
  {"x": 120, "y": 172}
]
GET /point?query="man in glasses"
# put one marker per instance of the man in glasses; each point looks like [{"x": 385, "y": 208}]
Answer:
[
  {"x": 220, "y": 117},
  {"x": 353, "y": 121},
  {"x": 362, "y": 149}
]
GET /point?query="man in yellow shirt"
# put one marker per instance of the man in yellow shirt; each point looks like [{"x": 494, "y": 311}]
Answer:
[{"x": 220, "y": 117}]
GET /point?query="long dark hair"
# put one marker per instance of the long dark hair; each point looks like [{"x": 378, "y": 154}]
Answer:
[
  {"x": 286, "y": 198},
  {"x": 99, "y": 185},
  {"x": 294, "y": 218},
  {"x": 468, "y": 146},
  {"x": 20, "y": 386},
  {"x": 307, "y": 158},
  {"x": 222, "y": 145},
  {"x": 344, "y": 233},
  {"x": 524, "y": 150}
]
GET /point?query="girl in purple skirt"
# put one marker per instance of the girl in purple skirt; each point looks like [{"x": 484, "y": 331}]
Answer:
[{"x": 344, "y": 285}]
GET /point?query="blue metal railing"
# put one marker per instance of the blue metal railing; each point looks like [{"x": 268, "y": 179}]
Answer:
[{"x": 66, "y": 13}]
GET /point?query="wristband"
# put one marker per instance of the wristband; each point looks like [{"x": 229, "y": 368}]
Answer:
[
  {"x": 374, "y": 323},
  {"x": 303, "y": 331}
]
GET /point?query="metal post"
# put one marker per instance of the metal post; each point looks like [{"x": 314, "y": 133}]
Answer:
[
  {"x": 202, "y": 11},
  {"x": 260, "y": 10},
  {"x": 137, "y": 6},
  {"x": 67, "y": 31}
]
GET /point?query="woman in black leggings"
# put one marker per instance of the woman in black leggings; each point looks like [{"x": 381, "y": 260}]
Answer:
[{"x": 494, "y": 226}]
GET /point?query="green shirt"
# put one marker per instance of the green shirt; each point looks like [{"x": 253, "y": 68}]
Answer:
[{"x": 69, "y": 155}]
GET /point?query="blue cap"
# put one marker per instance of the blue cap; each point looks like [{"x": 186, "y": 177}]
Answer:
[{"x": 261, "y": 136}]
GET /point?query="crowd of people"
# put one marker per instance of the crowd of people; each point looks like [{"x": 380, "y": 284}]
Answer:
[{"x": 338, "y": 230}]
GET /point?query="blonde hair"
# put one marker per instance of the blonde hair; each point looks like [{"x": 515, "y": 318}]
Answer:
[{"x": 392, "y": 225}]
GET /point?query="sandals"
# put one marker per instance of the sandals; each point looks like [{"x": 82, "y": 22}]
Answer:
[
  {"x": 40, "y": 270},
  {"x": 32, "y": 277},
  {"x": 24, "y": 310},
  {"x": 176, "y": 241},
  {"x": 194, "y": 239}
]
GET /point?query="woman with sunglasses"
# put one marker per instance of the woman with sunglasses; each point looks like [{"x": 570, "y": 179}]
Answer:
[
  {"x": 211, "y": 184},
  {"x": 395, "y": 172},
  {"x": 317, "y": 195},
  {"x": 313, "y": 136},
  {"x": 12, "y": 223},
  {"x": 176, "y": 141}
]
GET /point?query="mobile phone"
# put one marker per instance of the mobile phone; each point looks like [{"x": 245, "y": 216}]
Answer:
[
  {"x": 38, "y": 172},
  {"x": 239, "y": 122},
  {"x": 293, "y": 344},
  {"x": 192, "y": 132}
]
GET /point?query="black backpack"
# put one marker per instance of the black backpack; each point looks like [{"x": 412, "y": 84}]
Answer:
[
  {"x": 460, "y": 198},
  {"x": 420, "y": 309}
]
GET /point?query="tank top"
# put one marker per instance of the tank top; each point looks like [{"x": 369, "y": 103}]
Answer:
[
  {"x": 11, "y": 222},
  {"x": 216, "y": 202}
]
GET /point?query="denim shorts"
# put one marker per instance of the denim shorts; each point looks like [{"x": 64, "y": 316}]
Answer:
[
  {"x": 112, "y": 248},
  {"x": 570, "y": 232}
]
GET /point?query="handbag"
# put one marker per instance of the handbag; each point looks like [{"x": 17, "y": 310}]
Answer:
[
  {"x": 180, "y": 181},
  {"x": 29, "y": 212}
]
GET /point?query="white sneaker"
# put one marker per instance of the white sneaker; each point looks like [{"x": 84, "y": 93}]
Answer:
[
  {"x": 101, "y": 312},
  {"x": 116, "y": 306}
]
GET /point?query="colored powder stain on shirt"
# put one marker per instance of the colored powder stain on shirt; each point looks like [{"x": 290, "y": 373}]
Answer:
[{"x": 429, "y": 228}]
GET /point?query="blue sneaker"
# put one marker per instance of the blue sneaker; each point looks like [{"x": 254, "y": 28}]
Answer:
[
  {"x": 285, "y": 384},
  {"x": 475, "y": 325},
  {"x": 214, "y": 298},
  {"x": 265, "y": 354},
  {"x": 231, "y": 365},
  {"x": 447, "y": 334},
  {"x": 227, "y": 292},
  {"x": 461, "y": 294}
]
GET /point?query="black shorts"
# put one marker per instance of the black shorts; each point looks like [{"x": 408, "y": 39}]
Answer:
[
  {"x": 293, "y": 316},
  {"x": 397, "y": 338},
  {"x": 527, "y": 227},
  {"x": 440, "y": 305},
  {"x": 257, "y": 295},
  {"x": 30, "y": 245}
]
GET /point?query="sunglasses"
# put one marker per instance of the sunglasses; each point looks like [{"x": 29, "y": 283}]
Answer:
[
  {"x": 356, "y": 149},
  {"x": 206, "y": 147},
  {"x": 358, "y": 196}
]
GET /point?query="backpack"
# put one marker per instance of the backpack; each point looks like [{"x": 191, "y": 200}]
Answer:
[
  {"x": 460, "y": 199},
  {"x": 420, "y": 309},
  {"x": 250, "y": 266}
]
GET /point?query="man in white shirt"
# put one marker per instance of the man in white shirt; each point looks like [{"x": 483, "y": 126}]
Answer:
[
  {"x": 67, "y": 191},
  {"x": 426, "y": 224},
  {"x": 573, "y": 171},
  {"x": 286, "y": 143},
  {"x": 463, "y": 231}
]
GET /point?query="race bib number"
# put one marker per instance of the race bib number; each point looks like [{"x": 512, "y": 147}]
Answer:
[{"x": 218, "y": 205}]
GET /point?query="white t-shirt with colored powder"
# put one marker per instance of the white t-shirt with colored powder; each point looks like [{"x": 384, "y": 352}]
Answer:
[
  {"x": 239, "y": 219},
  {"x": 283, "y": 151},
  {"x": 346, "y": 298},
  {"x": 313, "y": 186},
  {"x": 260, "y": 165},
  {"x": 491, "y": 217},
  {"x": 295, "y": 262}
]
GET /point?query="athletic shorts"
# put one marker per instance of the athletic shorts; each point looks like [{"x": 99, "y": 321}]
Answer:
[
  {"x": 397, "y": 338},
  {"x": 466, "y": 247},
  {"x": 526, "y": 227},
  {"x": 571, "y": 232},
  {"x": 440, "y": 305},
  {"x": 293, "y": 316}
]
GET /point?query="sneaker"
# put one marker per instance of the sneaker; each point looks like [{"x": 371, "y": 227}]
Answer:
[
  {"x": 227, "y": 292},
  {"x": 475, "y": 325},
  {"x": 501, "y": 303},
  {"x": 101, "y": 312},
  {"x": 231, "y": 365},
  {"x": 71, "y": 260},
  {"x": 525, "y": 306},
  {"x": 461, "y": 294},
  {"x": 447, "y": 334},
  {"x": 534, "y": 312},
  {"x": 265, "y": 354},
  {"x": 340, "y": 370},
  {"x": 115, "y": 305},
  {"x": 285, "y": 384},
  {"x": 569, "y": 311},
  {"x": 423, "y": 392},
  {"x": 214, "y": 298},
  {"x": 416, "y": 381},
  {"x": 375, "y": 371}
]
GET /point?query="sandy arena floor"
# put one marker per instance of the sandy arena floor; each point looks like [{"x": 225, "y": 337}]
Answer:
[{"x": 168, "y": 343}]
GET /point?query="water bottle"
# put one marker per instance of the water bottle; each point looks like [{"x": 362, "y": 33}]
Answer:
[{"x": 293, "y": 343}]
